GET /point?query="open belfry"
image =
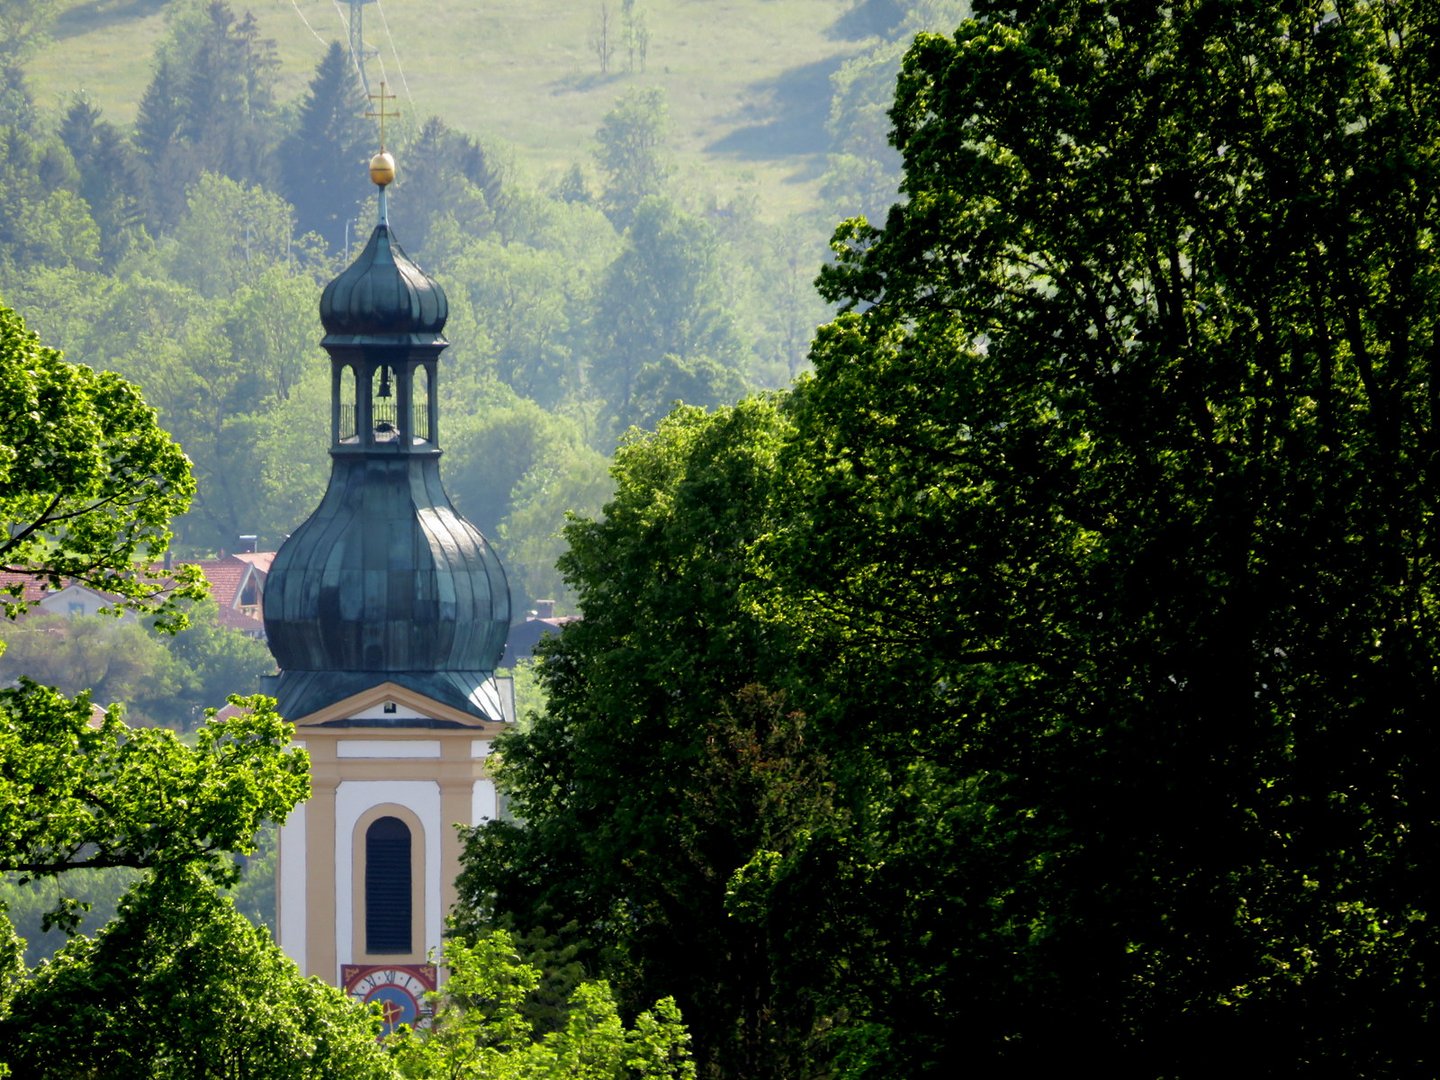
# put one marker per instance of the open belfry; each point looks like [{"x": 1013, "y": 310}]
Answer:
[{"x": 387, "y": 613}]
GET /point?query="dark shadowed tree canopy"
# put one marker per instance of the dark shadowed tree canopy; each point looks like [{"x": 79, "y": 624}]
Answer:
[
  {"x": 1102, "y": 555},
  {"x": 1123, "y": 467}
]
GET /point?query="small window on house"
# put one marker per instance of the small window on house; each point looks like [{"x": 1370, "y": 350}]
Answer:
[
  {"x": 387, "y": 886},
  {"x": 390, "y": 706},
  {"x": 77, "y": 607}
]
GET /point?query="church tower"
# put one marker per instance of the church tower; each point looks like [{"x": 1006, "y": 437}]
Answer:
[{"x": 387, "y": 613}]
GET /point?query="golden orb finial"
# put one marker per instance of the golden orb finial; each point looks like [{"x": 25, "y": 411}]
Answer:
[
  {"x": 382, "y": 168},
  {"x": 382, "y": 165}
]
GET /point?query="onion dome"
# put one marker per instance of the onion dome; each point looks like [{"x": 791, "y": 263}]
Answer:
[
  {"x": 386, "y": 576},
  {"x": 383, "y": 294},
  {"x": 385, "y": 580}
]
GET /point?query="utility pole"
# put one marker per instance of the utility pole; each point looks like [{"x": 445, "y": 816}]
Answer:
[{"x": 359, "y": 51}]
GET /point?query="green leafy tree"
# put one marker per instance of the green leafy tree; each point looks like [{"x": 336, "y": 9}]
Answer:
[
  {"x": 178, "y": 983},
  {"x": 215, "y": 661},
  {"x": 480, "y": 1028},
  {"x": 90, "y": 898},
  {"x": 1099, "y": 563},
  {"x": 567, "y": 480},
  {"x": 490, "y": 451},
  {"x": 181, "y": 985},
  {"x": 291, "y": 443},
  {"x": 254, "y": 892},
  {"x": 229, "y": 234},
  {"x": 670, "y": 380},
  {"x": 114, "y": 660},
  {"x": 526, "y": 300},
  {"x": 24, "y": 30},
  {"x": 223, "y": 374},
  {"x": 631, "y": 151},
  {"x": 660, "y": 298},
  {"x": 81, "y": 794},
  {"x": 109, "y": 176},
  {"x": 660, "y": 768},
  {"x": 636, "y": 35},
  {"x": 446, "y": 174},
  {"x": 862, "y": 169},
  {"x": 208, "y": 105},
  {"x": 1112, "y": 541},
  {"x": 88, "y": 480},
  {"x": 157, "y": 125},
  {"x": 43, "y": 220},
  {"x": 62, "y": 305}
]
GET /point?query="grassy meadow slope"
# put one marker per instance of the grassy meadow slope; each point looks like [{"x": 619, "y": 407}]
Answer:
[{"x": 747, "y": 80}]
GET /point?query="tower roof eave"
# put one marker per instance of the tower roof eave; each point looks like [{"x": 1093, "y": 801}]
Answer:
[
  {"x": 422, "y": 340},
  {"x": 308, "y": 697}
]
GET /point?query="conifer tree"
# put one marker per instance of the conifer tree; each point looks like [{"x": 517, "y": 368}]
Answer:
[
  {"x": 207, "y": 107},
  {"x": 109, "y": 174},
  {"x": 322, "y": 162}
]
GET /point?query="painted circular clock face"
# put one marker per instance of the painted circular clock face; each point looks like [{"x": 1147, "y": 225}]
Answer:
[
  {"x": 397, "y": 991},
  {"x": 397, "y": 1006}
]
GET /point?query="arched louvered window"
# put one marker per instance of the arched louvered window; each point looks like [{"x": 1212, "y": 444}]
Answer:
[{"x": 387, "y": 886}]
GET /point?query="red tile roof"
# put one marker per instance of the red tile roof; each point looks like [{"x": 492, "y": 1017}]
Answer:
[
  {"x": 32, "y": 588},
  {"x": 225, "y": 575},
  {"x": 261, "y": 560},
  {"x": 234, "y": 619},
  {"x": 230, "y": 710}
]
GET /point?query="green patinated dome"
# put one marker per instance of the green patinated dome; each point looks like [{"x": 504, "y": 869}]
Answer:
[
  {"x": 386, "y": 576},
  {"x": 385, "y": 580},
  {"x": 383, "y": 293}
]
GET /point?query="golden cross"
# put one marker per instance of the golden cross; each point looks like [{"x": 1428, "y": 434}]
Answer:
[{"x": 382, "y": 97}]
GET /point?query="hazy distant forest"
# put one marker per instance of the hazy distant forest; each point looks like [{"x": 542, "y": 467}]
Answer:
[
  {"x": 1019, "y": 654},
  {"x": 186, "y": 251}
]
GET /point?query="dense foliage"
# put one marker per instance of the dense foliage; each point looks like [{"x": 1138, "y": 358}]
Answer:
[
  {"x": 480, "y": 1028},
  {"x": 1094, "y": 571},
  {"x": 186, "y": 254},
  {"x": 81, "y": 794},
  {"x": 181, "y": 985},
  {"x": 88, "y": 479},
  {"x": 640, "y": 868},
  {"x": 88, "y": 485}
]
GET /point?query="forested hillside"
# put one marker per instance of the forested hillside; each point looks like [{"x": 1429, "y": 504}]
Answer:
[{"x": 612, "y": 241}]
